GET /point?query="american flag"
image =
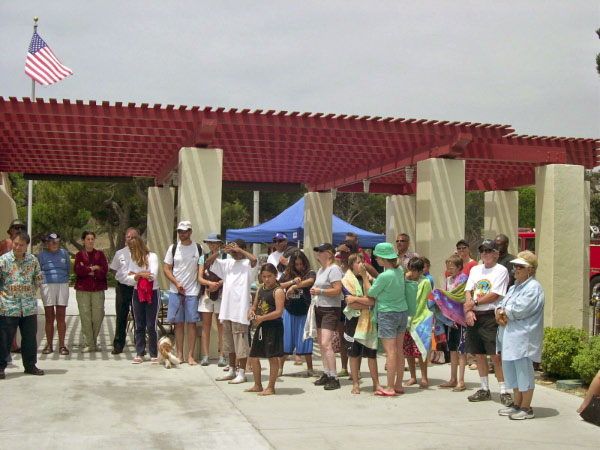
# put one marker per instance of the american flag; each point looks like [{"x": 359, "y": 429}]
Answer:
[{"x": 42, "y": 65}]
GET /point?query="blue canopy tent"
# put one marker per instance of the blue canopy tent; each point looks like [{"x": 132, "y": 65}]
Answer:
[{"x": 291, "y": 222}]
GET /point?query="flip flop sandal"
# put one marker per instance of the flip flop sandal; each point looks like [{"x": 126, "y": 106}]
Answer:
[
  {"x": 47, "y": 350},
  {"x": 64, "y": 351},
  {"x": 381, "y": 393},
  {"x": 459, "y": 389}
]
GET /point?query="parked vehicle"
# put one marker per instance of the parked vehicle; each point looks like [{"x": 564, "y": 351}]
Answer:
[{"x": 527, "y": 242}]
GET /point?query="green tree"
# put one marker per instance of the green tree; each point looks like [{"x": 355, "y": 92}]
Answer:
[
  {"x": 366, "y": 211},
  {"x": 527, "y": 206}
]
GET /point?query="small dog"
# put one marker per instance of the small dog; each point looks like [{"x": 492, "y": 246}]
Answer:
[{"x": 165, "y": 352}]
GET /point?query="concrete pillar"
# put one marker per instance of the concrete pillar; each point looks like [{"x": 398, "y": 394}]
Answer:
[
  {"x": 161, "y": 220},
  {"x": 561, "y": 233},
  {"x": 199, "y": 201},
  {"x": 501, "y": 216},
  {"x": 400, "y": 217},
  {"x": 200, "y": 187},
  {"x": 586, "y": 255},
  {"x": 7, "y": 206},
  {"x": 318, "y": 214},
  {"x": 440, "y": 211}
]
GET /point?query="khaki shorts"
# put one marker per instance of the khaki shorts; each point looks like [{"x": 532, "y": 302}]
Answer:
[
  {"x": 235, "y": 339},
  {"x": 208, "y": 305}
]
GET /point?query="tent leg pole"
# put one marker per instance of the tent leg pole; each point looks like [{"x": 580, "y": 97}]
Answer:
[{"x": 256, "y": 247}]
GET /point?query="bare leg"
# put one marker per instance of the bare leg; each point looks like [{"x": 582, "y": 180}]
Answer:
[
  {"x": 518, "y": 400},
  {"x": 399, "y": 364},
  {"x": 413, "y": 370},
  {"x": 256, "y": 372},
  {"x": 327, "y": 352},
  {"x": 309, "y": 364},
  {"x": 482, "y": 365},
  {"x": 374, "y": 373},
  {"x": 423, "y": 366},
  {"x": 389, "y": 345},
  {"x": 594, "y": 389},
  {"x": 281, "y": 363},
  {"x": 179, "y": 340},
  {"x": 354, "y": 370},
  {"x": 526, "y": 398},
  {"x": 273, "y": 370},
  {"x": 192, "y": 332},
  {"x": 453, "y": 370},
  {"x": 498, "y": 368},
  {"x": 50, "y": 316},
  {"x": 206, "y": 326},
  {"x": 220, "y": 331},
  {"x": 343, "y": 349},
  {"x": 61, "y": 324},
  {"x": 462, "y": 362},
  {"x": 243, "y": 363}
]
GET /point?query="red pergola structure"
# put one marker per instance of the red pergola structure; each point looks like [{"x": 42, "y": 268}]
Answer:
[{"x": 47, "y": 137}]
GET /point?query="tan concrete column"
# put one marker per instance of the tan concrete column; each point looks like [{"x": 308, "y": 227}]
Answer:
[
  {"x": 561, "y": 230},
  {"x": 440, "y": 211},
  {"x": 161, "y": 220},
  {"x": 400, "y": 217},
  {"x": 200, "y": 187},
  {"x": 199, "y": 201},
  {"x": 501, "y": 216},
  {"x": 318, "y": 213},
  {"x": 7, "y": 206}
]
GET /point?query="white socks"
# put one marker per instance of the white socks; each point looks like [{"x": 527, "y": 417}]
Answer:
[
  {"x": 484, "y": 384},
  {"x": 242, "y": 372},
  {"x": 231, "y": 371},
  {"x": 502, "y": 387}
]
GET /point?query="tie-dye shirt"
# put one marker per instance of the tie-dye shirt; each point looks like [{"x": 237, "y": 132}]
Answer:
[{"x": 18, "y": 283}]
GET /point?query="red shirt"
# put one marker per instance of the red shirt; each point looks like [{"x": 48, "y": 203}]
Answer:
[{"x": 83, "y": 262}]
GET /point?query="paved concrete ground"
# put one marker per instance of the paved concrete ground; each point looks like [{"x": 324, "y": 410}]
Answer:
[{"x": 103, "y": 401}]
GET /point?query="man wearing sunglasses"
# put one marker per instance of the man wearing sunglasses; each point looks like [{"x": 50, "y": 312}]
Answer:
[
  {"x": 402, "y": 244},
  {"x": 504, "y": 257},
  {"x": 486, "y": 286},
  {"x": 276, "y": 258}
]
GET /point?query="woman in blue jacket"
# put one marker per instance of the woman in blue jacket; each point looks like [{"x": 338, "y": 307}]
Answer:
[{"x": 520, "y": 317}]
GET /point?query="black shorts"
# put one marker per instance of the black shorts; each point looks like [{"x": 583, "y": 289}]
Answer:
[
  {"x": 453, "y": 337},
  {"x": 268, "y": 340},
  {"x": 481, "y": 338},
  {"x": 356, "y": 349},
  {"x": 328, "y": 317}
]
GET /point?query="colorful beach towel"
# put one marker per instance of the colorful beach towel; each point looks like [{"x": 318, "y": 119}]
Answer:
[
  {"x": 449, "y": 304},
  {"x": 421, "y": 324},
  {"x": 366, "y": 330}
]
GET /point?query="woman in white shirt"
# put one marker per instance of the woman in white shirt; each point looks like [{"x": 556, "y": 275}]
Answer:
[{"x": 143, "y": 270}]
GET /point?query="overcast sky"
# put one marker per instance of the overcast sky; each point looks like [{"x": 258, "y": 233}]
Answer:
[{"x": 529, "y": 64}]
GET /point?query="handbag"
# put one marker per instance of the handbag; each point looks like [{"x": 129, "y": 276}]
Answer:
[{"x": 310, "y": 326}]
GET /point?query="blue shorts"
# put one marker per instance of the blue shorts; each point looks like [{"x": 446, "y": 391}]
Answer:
[
  {"x": 391, "y": 324},
  {"x": 519, "y": 374},
  {"x": 293, "y": 331},
  {"x": 186, "y": 312}
]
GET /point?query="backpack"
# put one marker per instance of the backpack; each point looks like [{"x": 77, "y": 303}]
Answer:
[{"x": 174, "y": 249}]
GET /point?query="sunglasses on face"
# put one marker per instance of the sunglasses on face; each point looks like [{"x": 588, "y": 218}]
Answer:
[
  {"x": 400, "y": 240},
  {"x": 487, "y": 250},
  {"x": 277, "y": 241},
  {"x": 517, "y": 266}
]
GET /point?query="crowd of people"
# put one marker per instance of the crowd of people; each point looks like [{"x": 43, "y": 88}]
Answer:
[{"x": 353, "y": 303}]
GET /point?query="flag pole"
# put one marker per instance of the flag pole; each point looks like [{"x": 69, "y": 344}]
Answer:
[{"x": 30, "y": 182}]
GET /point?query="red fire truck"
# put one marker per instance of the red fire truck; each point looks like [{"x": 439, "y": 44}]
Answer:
[{"x": 527, "y": 242}]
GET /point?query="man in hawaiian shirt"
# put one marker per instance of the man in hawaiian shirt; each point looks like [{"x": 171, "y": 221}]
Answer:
[{"x": 20, "y": 277}]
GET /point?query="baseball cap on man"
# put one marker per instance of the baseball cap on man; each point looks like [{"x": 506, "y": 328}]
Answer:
[
  {"x": 213, "y": 237},
  {"x": 51, "y": 237},
  {"x": 280, "y": 235},
  {"x": 489, "y": 244},
  {"x": 17, "y": 223},
  {"x": 184, "y": 225},
  {"x": 324, "y": 247}
]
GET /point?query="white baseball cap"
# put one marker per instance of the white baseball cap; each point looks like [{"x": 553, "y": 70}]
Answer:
[{"x": 184, "y": 225}]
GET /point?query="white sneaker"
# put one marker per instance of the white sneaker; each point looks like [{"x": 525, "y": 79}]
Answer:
[{"x": 239, "y": 379}]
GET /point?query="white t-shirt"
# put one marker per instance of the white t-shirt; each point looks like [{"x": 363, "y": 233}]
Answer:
[
  {"x": 185, "y": 267},
  {"x": 120, "y": 263},
  {"x": 483, "y": 280},
  {"x": 274, "y": 259},
  {"x": 152, "y": 268},
  {"x": 325, "y": 279},
  {"x": 237, "y": 276}
]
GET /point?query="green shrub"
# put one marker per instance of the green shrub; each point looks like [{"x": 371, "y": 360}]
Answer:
[
  {"x": 561, "y": 345},
  {"x": 587, "y": 362}
]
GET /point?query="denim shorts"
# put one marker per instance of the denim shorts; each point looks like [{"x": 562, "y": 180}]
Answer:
[
  {"x": 519, "y": 374},
  {"x": 391, "y": 324},
  {"x": 182, "y": 312}
]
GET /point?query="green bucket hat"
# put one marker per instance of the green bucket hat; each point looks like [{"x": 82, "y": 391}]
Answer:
[{"x": 385, "y": 250}]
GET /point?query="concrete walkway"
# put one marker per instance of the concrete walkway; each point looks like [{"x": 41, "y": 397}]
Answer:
[{"x": 103, "y": 401}]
